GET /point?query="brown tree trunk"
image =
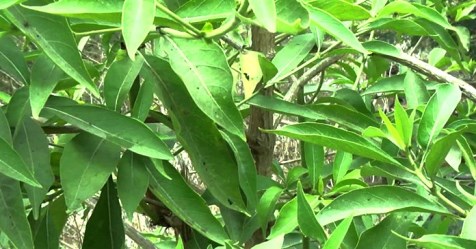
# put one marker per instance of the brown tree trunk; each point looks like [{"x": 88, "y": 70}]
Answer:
[{"x": 261, "y": 144}]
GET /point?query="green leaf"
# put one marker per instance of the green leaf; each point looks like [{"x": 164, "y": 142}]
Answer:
[
  {"x": 105, "y": 228},
  {"x": 441, "y": 241},
  {"x": 86, "y": 164},
  {"x": 7, "y": 3},
  {"x": 12, "y": 165},
  {"x": 13, "y": 223},
  {"x": 119, "y": 80},
  {"x": 314, "y": 162},
  {"x": 287, "y": 219},
  {"x": 342, "y": 162},
  {"x": 306, "y": 219},
  {"x": 292, "y": 18},
  {"x": 380, "y": 47},
  {"x": 132, "y": 181},
  {"x": 19, "y": 107},
  {"x": 345, "y": 116},
  {"x": 276, "y": 242},
  {"x": 137, "y": 20},
  {"x": 467, "y": 154},
  {"x": 208, "y": 151},
  {"x": 341, "y": 9},
  {"x": 5, "y": 132},
  {"x": 246, "y": 168},
  {"x": 439, "y": 109},
  {"x": 376, "y": 200},
  {"x": 436, "y": 55},
  {"x": 403, "y": 7},
  {"x": 44, "y": 78},
  {"x": 393, "y": 134},
  {"x": 338, "y": 235},
  {"x": 203, "y": 68},
  {"x": 205, "y": 11},
  {"x": 403, "y": 26},
  {"x": 114, "y": 127},
  {"x": 415, "y": 90},
  {"x": 335, "y": 28},
  {"x": 266, "y": 205},
  {"x": 48, "y": 228},
  {"x": 335, "y": 138},
  {"x": 284, "y": 107},
  {"x": 469, "y": 225},
  {"x": 185, "y": 202},
  {"x": 265, "y": 12},
  {"x": 31, "y": 144},
  {"x": 382, "y": 235},
  {"x": 403, "y": 123},
  {"x": 144, "y": 100},
  {"x": 12, "y": 61},
  {"x": 54, "y": 36},
  {"x": 295, "y": 51},
  {"x": 436, "y": 154}
]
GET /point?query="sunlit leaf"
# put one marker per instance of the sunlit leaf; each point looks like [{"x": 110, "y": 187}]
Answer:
[{"x": 137, "y": 20}]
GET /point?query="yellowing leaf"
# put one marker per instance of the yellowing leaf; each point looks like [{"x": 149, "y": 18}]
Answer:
[{"x": 251, "y": 73}]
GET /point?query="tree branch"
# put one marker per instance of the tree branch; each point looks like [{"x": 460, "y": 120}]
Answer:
[{"x": 434, "y": 73}]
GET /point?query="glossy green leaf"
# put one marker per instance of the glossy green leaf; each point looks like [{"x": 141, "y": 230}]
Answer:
[
  {"x": 336, "y": 138},
  {"x": 376, "y": 200},
  {"x": 137, "y": 20},
  {"x": 293, "y": 53},
  {"x": 276, "y": 242},
  {"x": 403, "y": 7},
  {"x": 436, "y": 154},
  {"x": 53, "y": 35},
  {"x": 5, "y": 132},
  {"x": 469, "y": 225},
  {"x": 12, "y": 165},
  {"x": 7, "y": 3},
  {"x": 380, "y": 47},
  {"x": 306, "y": 219},
  {"x": 114, "y": 127},
  {"x": 403, "y": 123},
  {"x": 436, "y": 55},
  {"x": 467, "y": 154},
  {"x": 342, "y": 162},
  {"x": 284, "y": 107},
  {"x": 13, "y": 223},
  {"x": 382, "y": 235},
  {"x": 292, "y": 18},
  {"x": 205, "y": 11},
  {"x": 265, "y": 12},
  {"x": 12, "y": 61},
  {"x": 132, "y": 181},
  {"x": 314, "y": 161},
  {"x": 119, "y": 80},
  {"x": 345, "y": 116},
  {"x": 266, "y": 205},
  {"x": 105, "y": 228},
  {"x": 442, "y": 241},
  {"x": 31, "y": 144},
  {"x": 144, "y": 100},
  {"x": 415, "y": 90},
  {"x": 246, "y": 168},
  {"x": 335, "y": 28},
  {"x": 185, "y": 203},
  {"x": 404, "y": 26},
  {"x": 437, "y": 112},
  {"x": 393, "y": 134},
  {"x": 19, "y": 107},
  {"x": 341, "y": 9},
  {"x": 208, "y": 151},
  {"x": 45, "y": 75},
  {"x": 86, "y": 164},
  {"x": 337, "y": 237},
  {"x": 287, "y": 219},
  {"x": 203, "y": 68},
  {"x": 442, "y": 36}
]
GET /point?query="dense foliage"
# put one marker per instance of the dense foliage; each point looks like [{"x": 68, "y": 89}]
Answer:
[{"x": 100, "y": 98}]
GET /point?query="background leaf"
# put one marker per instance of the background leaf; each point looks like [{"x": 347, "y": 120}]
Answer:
[
  {"x": 86, "y": 164},
  {"x": 105, "y": 228}
]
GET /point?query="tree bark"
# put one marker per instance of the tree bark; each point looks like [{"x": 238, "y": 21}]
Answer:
[{"x": 261, "y": 144}]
